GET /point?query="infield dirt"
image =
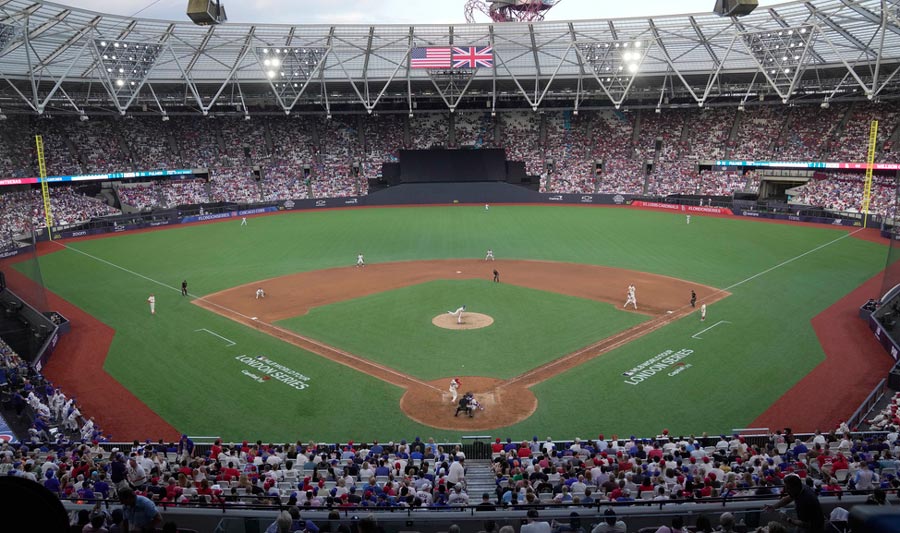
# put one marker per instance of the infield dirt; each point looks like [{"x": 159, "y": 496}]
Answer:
[{"x": 506, "y": 402}]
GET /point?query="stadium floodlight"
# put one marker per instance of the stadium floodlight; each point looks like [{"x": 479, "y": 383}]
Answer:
[
  {"x": 165, "y": 118},
  {"x": 8, "y": 33},
  {"x": 615, "y": 64},
  {"x": 782, "y": 56}
]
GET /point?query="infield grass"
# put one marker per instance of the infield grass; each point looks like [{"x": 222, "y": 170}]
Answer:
[
  {"x": 194, "y": 381},
  {"x": 394, "y": 328}
]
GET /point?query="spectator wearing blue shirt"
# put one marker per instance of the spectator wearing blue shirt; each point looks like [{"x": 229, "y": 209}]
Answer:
[{"x": 139, "y": 513}]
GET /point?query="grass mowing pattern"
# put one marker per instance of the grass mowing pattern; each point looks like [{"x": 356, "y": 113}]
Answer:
[
  {"x": 193, "y": 381},
  {"x": 394, "y": 328}
]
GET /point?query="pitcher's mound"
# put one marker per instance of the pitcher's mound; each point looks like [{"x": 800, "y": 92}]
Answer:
[{"x": 469, "y": 321}]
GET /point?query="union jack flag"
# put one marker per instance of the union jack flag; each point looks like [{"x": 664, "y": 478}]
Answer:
[{"x": 473, "y": 57}]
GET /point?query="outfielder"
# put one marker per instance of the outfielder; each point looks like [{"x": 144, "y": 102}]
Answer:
[
  {"x": 243, "y": 221},
  {"x": 454, "y": 387},
  {"x": 631, "y": 297},
  {"x": 486, "y": 207},
  {"x": 490, "y": 254},
  {"x": 458, "y": 313},
  {"x": 688, "y": 219},
  {"x": 702, "y": 312},
  {"x": 152, "y": 301},
  {"x": 260, "y": 293},
  {"x": 360, "y": 262}
]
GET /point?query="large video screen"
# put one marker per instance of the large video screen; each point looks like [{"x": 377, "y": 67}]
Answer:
[{"x": 417, "y": 166}]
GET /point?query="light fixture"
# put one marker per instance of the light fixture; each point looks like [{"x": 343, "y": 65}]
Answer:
[
  {"x": 120, "y": 82},
  {"x": 165, "y": 118}
]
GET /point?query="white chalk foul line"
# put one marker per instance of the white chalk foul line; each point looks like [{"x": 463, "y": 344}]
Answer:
[
  {"x": 232, "y": 343},
  {"x": 791, "y": 260},
  {"x": 255, "y": 319},
  {"x": 694, "y": 336}
]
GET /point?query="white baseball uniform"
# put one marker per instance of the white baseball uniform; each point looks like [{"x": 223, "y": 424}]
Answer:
[
  {"x": 631, "y": 297},
  {"x": 458, "y": 313},
  {"x": 260, "y": 293},
  {"x": 688, "y": 219},
  {"x": 152, "y": 301},
  {"x": 490, "y": 255},
  {"x": 243, "y": 221},
  {"x": 454, "y": 387},
  {"x": 486, "y": 207},
  {"x": 703, "y": 312},
  {"x": 359, "y": 260}
]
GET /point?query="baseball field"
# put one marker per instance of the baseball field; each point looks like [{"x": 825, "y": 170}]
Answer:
[{"x": 337, "y": 352}]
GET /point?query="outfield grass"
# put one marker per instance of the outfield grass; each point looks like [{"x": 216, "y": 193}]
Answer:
[
  {"x": 394, "y": 328},
  {"x": 195, "y": 383}
]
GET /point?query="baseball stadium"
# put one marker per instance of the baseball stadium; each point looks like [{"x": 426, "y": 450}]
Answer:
[{"x": 539, "y": 274}]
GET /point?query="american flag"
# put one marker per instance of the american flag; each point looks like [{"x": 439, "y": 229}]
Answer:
[
  {"x": 430, "y": 58},
  {"x": 473, "y": 57}
]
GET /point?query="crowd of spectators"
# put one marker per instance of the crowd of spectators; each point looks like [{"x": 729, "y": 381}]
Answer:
[
  {"x": 23, "y": 209},
  {"x": 529, "y": 475},
  {"x": 844, "y": 192},
  {"x": 304, "y": 156}
]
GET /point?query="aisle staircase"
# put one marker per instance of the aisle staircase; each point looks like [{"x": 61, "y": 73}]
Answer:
[{"x": 479, "y": 479}]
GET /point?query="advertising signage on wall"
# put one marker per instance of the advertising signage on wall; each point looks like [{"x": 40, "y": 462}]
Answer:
[
  {"x": 94, "y": 177},
  {"x": 807, "y": 165}
]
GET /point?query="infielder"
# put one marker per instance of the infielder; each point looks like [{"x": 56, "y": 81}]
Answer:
[
  {"x": 490, "y": 254},
  {"x": 454, "y": 387},
  {"x": 702, "y": 312},
  {"x": 693, "y": 298},
  {"x": 631, "y": 297},
  {"x": 360, "y": 261},
  {"x": 458, "y": 313},
  {"x": 260, "y": 293},
  {"x": 152, "y": 301}
]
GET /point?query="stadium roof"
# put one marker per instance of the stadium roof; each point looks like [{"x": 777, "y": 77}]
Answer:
[{"x": 54, "y": 57}]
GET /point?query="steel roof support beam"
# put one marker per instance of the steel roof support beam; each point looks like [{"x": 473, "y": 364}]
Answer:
[
  {"x": 319, "y": 68},
  {"x": 16, "y": 89},
  {"x": 58, "y": 84},
  {"x": 868, "y": 15},
  {"x": 581, "y": 72},
  {"x": 850, "y": 69},
  {"x": 92, "y": 25},
  {"x": 365, "y": 70},
  {"x": 704, "y": 41},
  {"x": 668, "y": 60},
  {"x": 537, "y": 61},
  {"x": 826, "y": 20},
  {"x": 37, "y": 32},
  {"x": 28, "y": 11},
  {"x": 200, "y": 49},
  {"x": 244, "y": 50},
  {"x": 493, "y": 72},
  {"x": 409, "y": 46}
]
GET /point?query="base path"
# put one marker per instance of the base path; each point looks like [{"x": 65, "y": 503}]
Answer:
[{"x": 663, "y": 298}]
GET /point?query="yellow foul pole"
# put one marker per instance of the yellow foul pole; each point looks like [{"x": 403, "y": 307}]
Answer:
[
  {"x": 870, "y": 165},
  {"x": 45, "y": 191}
]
